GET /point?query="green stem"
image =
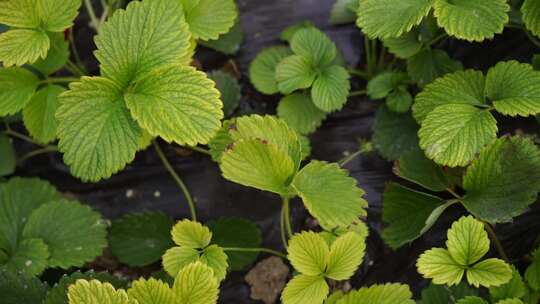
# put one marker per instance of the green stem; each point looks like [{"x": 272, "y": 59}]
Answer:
[
  {"x": 437, "y": 39},
  {"x": 495, "y": 240},
  {"x": 358, "y": 73},
  {"x": 22, "y": 137},
  {"x": 282, "y": 230},
  {"x": 267, "y": 250},
  {"x": 177, "y": 179},
  {"x": 76, "y": 55},
  {"x": 367, "y": 49},
  {"x": 75, "y": 69},
  {"x": 59, "y": 80},
  {"x": 357, "y": 93},
  {"x": 287, "y": 216},
  {"x": 349, "y": 158},
  {"x": 533, "y": 39},
  {"x": 449, "y": 190},
  {"x": 31, "y": 154},
  {"x": 382, "y": 57},
  {"x": 199, "y": 149},
  {"x": 94, "y": 22}
]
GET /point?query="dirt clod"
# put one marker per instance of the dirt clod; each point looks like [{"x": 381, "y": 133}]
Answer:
[{"x": 267, "y": 279}]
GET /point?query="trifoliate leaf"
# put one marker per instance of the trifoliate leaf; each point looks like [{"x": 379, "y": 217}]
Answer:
[
  {"x": 215, "y": 258},
  {"x": 346, "y": 254},
  {"x": 472, "y": 300},
  {"x": 93, "y": 104},
  {"x": 452, "y": 134},
  {"x": 18, "y": 289},
  {"x": 399, "y": 100},
  {"x": 177, "y": 103},
  {"x": 93, "y": 292},
  {"x": 490, "y": 272},
  {"x": 20, "y": 46},
  {"x": 176, "y": 258},
  {"x": 208, "y": 19},
  {"x": 161, "y": 37},
  {"x": 294, "y": 73},
  {"x": 8, "y": 156},
  {"x": 417, "y": 168},
  {"x": 381, "y": 85},
  {"x": 515, "y": 288},
  {"x": 330, "y": 194},
  {"x": 191, "y": 234},
  {"x": 472, "y": 20},
  {"x": 389, "y": 293},
  {"x": 229, "y": 88},
  {"x": 19, "y": 197},
  {"x": 394, "y": 134},
  {"x": 56, "y": 57},
  {"x": 514, "y": 88},
  {"x": 30, "y": 258},
  {"x": 140, "y": 239},
  {"x": 388, "y": 18},
  {"x": 305, "y": 289},
  {"x": 221, "y": 141},
  {"x": 237, "y": 233},
  {"x": 313, "y": 45},
  {"x": 331, "y": 88},
  {"x": 151, "y": 291},
  {"x": 341, "y": 14},
  {"x": 288, "y": 33},
  {"x": 504, "y": 180},
  {"x": 404, "y": 46},
  {"x": 530, "y": 14},
  {"x": 76, "y": 236},
  {"x": 58, "y": 293},
  {"x": 17, "y": 86},
  {"x": 462, "y": 87},
  {"x": 405, "y": 211},
  {"x": 427, "y": 65},
  {"x": 467, "y": 241},
  {"x": 258, "y": 164},
  {"x": 228, "y": 43},
  {"x": 58, "y": 15},
  {"x": 20, "y": 13},
  {"x": 437, "y": 264},
  {"x": 38, "y": 115},
  {"x": 262, "y": 70},
  {"x": 300, "y": 113},
  {"x": 196, "y": 284},
  {"x": 308, "y": 253}
]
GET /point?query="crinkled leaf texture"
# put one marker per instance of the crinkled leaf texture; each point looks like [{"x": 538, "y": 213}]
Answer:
[
  {"x": 30, "y": 258},
  {"x": 196, "y": 284},
  {"x": 530, "y": 13},
  {"x": 208, "y": 19},
  {"x": 39, "y": 115},
  {"x": 515, "y": 288},
  {"x": 417, "y": 168},
  {"x": 229, "y": 88},
  {"x": 308, "y": 253},
  {"x": 151, "y": 291},
  {"x": 305, "y": 289},
  {"x": 93, "y": 292},
  {"x": 191, "y": 234},
  {"x": 331, "y": 88},
  {"x": 228, "y": 43},
  {"x": 427, "y": 65},
  {"x": 390, "y": 293},
  {"x": 394, "y": 134},
  {"x": 262, "y": 70},
  {"x": 17, "y": 86},
  {"x": 300, "y": 113},
  {"x": 467, "y": 241},
  {"x": 16, "y": 288}
]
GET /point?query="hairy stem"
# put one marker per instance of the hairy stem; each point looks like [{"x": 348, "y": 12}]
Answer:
[
  {"x": 357, "y": 93},
  {"x": 282, "y": 230},
  {"x": 349, "y": 158},
  {"x": 498, "y": 245},
  {"x": 267, "y": 250},
  {"x": 177, "y": 179},
  {"x": 454, "y": 194},
  {"x": 287, "y": 216},
  {"x": 94, "y": 21}
]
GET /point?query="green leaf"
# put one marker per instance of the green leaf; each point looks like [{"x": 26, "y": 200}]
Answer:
[
  {"x": 472, "y": 300},
  {"x": 383, "y": 84},
  {"x": 262, "y": 70},
  {"x": 472, "y": 20},
  {"x": 176, "y": 258},
  {"x": 93, "y": 104},
  {"x": 18, "y": 289},
  {"x": 236, "y": 232},
  {"x": 510, "y": 301},
  {"x": 76, "y": 236},
  {"x": 308, "y": 253},
  {"x": 20, "y": 46},
  {"x": 221, "y": 141},
  {"x": 208, "y": 19},
  {"x": 341, "y": 14},
  {"x": 177, "y": 103},
  {"x": 404, "y": 46},
  {"x": 151, "y": 291},
  {"x": 331, "y": 88},
  {"x": 294, "y": 73},
  {"x": 19, "y": 13},
  {"x": 515, "y": 288},
  {"x": 467, "y": 241},
  {"x": 532, "y": 274},
  {"x": 58, "y": 15},
  {"x": 452, "y": 134},
  {"x": 437, "y": 264},
  {"x": 56, "y": 57},
  {"x": 490, "y": 272},
  {"x": 140, "y": 239},
  {"x": 439, "y": 294},
  {"x": 313, "y": 45},
  {"x": 229, "y": 88},
  {"x": 330, "y": 194},
  {"x": 191, "y": 234},
  {"x": 19, "y": 197},
  {"x": 258, "y": 164},
  {"x": 17, "y": 86},
  {"x": 388, "y": 18},
  {"x": 39, "y": 115},
  {"x": 399, "y": 100},
  {"x": 504, "y": 180},
  {"x": 530, "y": 14},
  {"x": 389, "y": 293},
  {"x": 305, "y": 289},
  {"x": 427, "y": 65},
  {"x": 228, "y": 43},
  {"x": 161, "y": 37},
  {"x": 462, "y": 87},
  {"x": 8, "y": 156},
  {"x": 405, "y": 211},
  {"x": 346, "y": 254},
  {"x": 300, "y": 113},
  {"x": 394, "y": 134},
  {"x": 215, "y": 257},
  {"x": 288, "y": 33},
  {"x": 30, "y": 258},
  {"x": 417, "y": 168},
  {"x": 92, "y": 292},
  {"x": 514, "y": 88},
  {"x": 196, "y": 284}
]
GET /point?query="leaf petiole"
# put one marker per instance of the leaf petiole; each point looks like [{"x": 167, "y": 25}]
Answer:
[
  {"x": 267, "y": 250},
  {"x": 59, "y": 80}
]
